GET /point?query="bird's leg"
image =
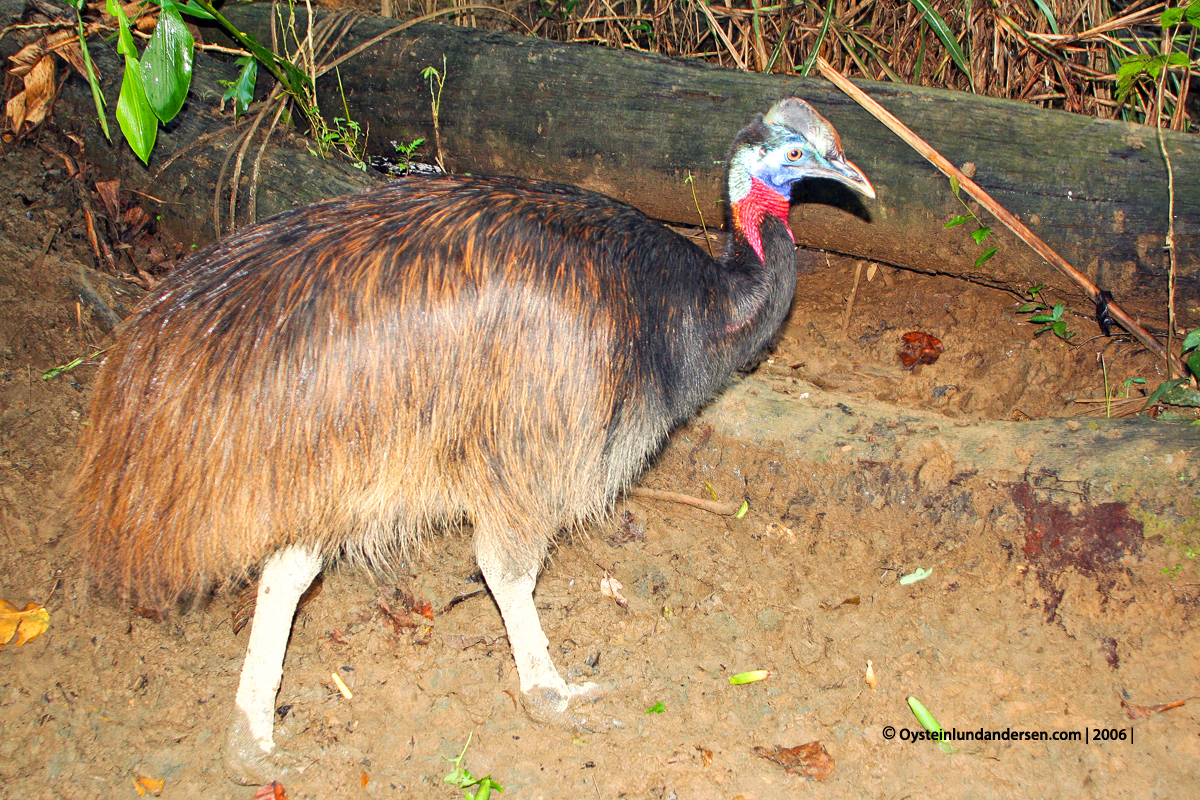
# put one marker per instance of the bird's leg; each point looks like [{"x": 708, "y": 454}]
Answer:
[
  {"x": 547, "y": 696},
  {"x": 250, "y": 753}
]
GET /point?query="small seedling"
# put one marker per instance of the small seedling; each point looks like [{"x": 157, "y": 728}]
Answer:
[
  {"x": 462, "y": 778},
  {"x": 657, "y": 708},
  {"x": 407, "y": 151},
  {"x": 981, "y": 231},
  {"x": 437, "y": 82},
  {"x": 1051, "y": 318}
]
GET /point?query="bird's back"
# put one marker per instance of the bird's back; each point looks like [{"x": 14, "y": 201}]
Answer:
[{"x": 349, "y": 373}]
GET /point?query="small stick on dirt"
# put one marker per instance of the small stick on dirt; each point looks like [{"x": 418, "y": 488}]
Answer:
[
  {"x": 998, "y": 211},
  {"x": 712, "y": 506},
  {"x": 858, "y": 265}
]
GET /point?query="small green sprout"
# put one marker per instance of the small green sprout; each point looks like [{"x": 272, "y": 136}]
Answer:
[
  {"x": 929, "y": 723},
  {"x": 462, "y": 778},
  {"x": 657, "y": 708},
  {"x": 752, "y": 676}
]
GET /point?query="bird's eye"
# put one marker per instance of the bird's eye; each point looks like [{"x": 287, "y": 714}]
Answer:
[{"x": 794, "y": 154}]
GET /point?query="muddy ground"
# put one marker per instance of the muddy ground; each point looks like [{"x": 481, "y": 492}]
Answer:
[{"x": 999, "y": 637}]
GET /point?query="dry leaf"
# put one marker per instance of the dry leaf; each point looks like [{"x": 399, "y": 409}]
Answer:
[
  {"x": 1141, "y": 712},
  {"x": 811, "y": 760},
  {"x": 28, "y": 107},
  {"x": 611, "y": 587},
  {"x": 871, "y": 270},
  {"x": 109, "y": 192},
  {"x": 26, "y": 624},
  {"x": 870, "y": 678},
  {"x": 145, "y": 785},
  {"x": 706, "y": 757}
]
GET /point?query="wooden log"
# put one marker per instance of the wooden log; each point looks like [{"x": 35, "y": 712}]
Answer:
[{"x": 635, "y": 125}]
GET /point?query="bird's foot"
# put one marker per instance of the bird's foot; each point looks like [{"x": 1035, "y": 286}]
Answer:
[
  {"x": 247, "y": 762},
  {"x": 567, "y": 705}
]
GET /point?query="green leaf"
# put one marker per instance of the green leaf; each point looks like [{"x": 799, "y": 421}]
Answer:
[
  {"x": 956, "y": 221},
  {"x": 1028, "y": 307},
  {"x": 167, "y": 65},
  {"x": 946, "y": 36},
  {"x": 1042, "y": 318},
  {"x": 1192, "y": 14},
  {"x": 985, "y": 256},
  {"x": 979, "y": 234},
  {"x": 1192, "y": 340},
  {"x": 137, "y": 118},
  {"x": 1178, "y": 392},
  {"x": 1193, "y": 363},
  {"x": 1058, "y": 310},
  {"x": 954, "y": 186},
  {"x": 657, "y": 708},
  {"x": 1060, "y": 330},
  {"x": 1170, "y": 16},
  {"x": 1132, "y": 68},
  {"x": 241, "y": 91},
  {"x": 138, "y": 121}
]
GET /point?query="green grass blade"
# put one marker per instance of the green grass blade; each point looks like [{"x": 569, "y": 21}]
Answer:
[
  {"x": 1049, "y": 14},
  {"x": 946, "y": 36},
  {"x": 822, "y": 32}
]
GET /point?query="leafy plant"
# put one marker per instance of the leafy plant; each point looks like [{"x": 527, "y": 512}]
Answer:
[
  {"x": 437, "y": 82},
  {"x": 1050, "y": 317},
  {"x": 1135, "y": 67},
  {"x": 981, "y": 231},
  {"x": 461, "y": 778},
  {"x": 1182, "y": 391},
  {"x": 407, "y": 151}
]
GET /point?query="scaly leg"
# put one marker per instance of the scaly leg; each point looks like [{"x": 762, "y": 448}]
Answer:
[
  {"x": 250, "y": 754},
  {"x": 547, "y": 695}
]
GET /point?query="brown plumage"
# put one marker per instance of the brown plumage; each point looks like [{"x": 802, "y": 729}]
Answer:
[{"x": 346, "y": 378}]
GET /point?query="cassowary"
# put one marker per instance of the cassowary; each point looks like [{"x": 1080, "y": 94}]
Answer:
[{"x": 344, "y": 379}]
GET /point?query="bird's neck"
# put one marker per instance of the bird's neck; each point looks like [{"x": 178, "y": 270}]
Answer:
[{"x": 752, "y": 208}]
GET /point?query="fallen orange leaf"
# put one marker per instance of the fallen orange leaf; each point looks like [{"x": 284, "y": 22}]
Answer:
[
  {"x": 26, "y": 624},
  {"x": 1141, "y": 712},
  {"x": 152, "y": 785}
]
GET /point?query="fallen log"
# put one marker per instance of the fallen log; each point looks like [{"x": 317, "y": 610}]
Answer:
[{"x": 635, "y": 126}]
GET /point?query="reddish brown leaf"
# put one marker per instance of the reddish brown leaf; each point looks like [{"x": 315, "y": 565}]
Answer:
[
  {"x": 919, "y": 348},
  {"x": 272, "y": 791},
  {"x": 811, "y": 760}
]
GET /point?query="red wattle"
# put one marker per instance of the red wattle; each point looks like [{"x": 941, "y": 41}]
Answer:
[{"x": 749, "y": 212}]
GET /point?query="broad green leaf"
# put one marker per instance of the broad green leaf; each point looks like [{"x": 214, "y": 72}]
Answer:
[
  {"x": 1192, "y": 14},
  {"x": 1043, "y": 318},
  {"x": 1059, "y": 308},
  {"x": 986, "y": 256},
  {"x": 946, "y": 36},
  {"x": 1025, "y": 309},
  {"x": 980, "y": 233},
  {"x": 954, "y": 184},
  {"x": 1170, "y": 17},
  {"x": 1193, "y": 363},
  {"x": 241, "y": 91},
  {"x": 1192, "y": 340},
  {"x": 137, "y": 118},
  {"x": 167, "y": 65},
  {"x": 959, "y": 220}
]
